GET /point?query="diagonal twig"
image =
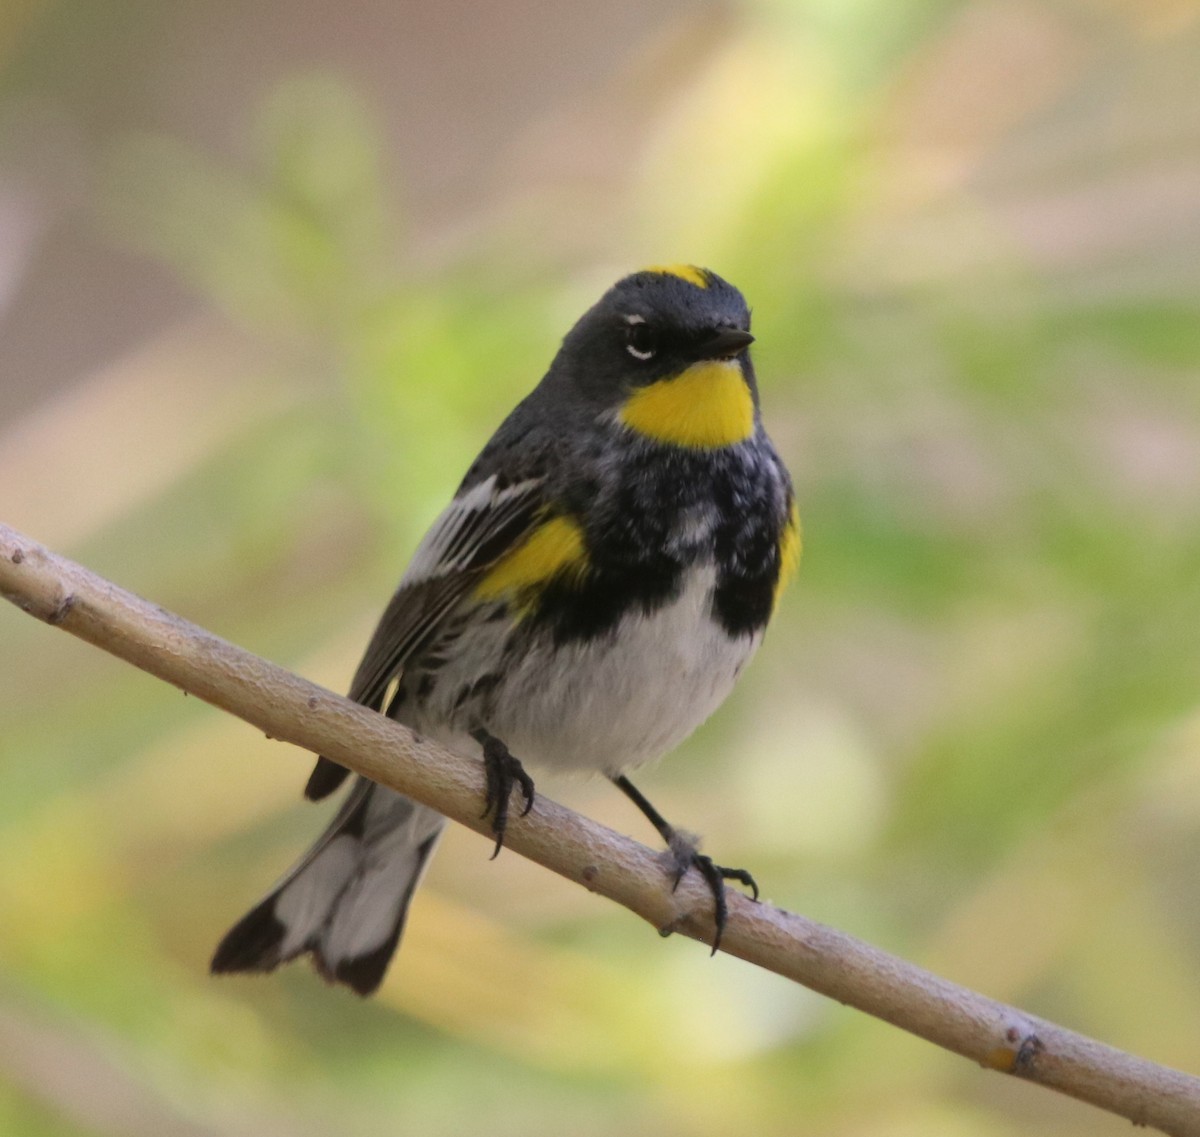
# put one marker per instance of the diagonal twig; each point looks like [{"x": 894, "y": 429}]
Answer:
[{"x": 287, "y": 707}]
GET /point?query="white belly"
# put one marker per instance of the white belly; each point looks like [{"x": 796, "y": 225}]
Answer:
[{"x": 619, "y": 701}]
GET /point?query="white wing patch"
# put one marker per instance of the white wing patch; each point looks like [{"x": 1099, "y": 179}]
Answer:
[
  {"x": 475, "y": 529},
  {"x": 455, "y": 538}
]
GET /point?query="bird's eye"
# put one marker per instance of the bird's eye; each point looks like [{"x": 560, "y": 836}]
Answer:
[{"x": 641, "y": 341}]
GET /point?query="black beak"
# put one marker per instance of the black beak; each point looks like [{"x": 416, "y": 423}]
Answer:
[{"x": 725, "y": 344}]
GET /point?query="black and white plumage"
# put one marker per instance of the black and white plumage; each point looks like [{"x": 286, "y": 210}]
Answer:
[{"x": 585, "y": 601}]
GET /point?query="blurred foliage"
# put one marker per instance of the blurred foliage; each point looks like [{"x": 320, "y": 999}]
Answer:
[{"x": 972, "y": 737}]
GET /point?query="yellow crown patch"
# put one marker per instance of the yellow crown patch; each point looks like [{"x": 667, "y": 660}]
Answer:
[{"x": 690, "y": 273}]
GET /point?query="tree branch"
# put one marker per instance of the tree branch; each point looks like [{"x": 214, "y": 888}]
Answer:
[{"x": 287, "y": 707}]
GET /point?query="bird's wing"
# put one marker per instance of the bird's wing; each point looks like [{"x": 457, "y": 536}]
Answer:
[{"x": 477, "y": 528}]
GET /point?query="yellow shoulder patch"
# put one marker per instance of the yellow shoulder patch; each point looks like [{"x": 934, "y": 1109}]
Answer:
[
  {"x": 690, "y": 273},
  {"x": 556, "y": 546},
  {"x": 706, "y": 406},
  {"x": 790, "y": 545}
]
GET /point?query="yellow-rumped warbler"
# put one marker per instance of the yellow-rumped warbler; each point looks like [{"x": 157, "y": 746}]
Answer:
[{"x": 588, "y": 598}]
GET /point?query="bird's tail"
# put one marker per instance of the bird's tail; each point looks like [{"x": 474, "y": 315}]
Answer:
[{"x": 345, "y": 901}]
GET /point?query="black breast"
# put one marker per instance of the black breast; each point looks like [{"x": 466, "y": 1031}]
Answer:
[
  {"x": 752, "y": 512},
  {"x": 631, "y": 517}
]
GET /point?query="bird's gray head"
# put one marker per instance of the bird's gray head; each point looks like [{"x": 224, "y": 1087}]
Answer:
[{"x": 665, "y": 352}]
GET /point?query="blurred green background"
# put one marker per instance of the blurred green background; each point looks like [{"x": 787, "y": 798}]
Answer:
[{"x": 270, "y": 273}]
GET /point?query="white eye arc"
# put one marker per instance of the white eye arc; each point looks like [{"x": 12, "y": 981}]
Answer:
[{"x": 641, "y": 340}]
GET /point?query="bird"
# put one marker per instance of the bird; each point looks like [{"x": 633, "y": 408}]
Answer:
[{"x": 600, "y": 579}]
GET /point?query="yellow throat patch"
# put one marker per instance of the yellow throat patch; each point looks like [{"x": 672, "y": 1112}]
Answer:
[
  {"x": 556, "y": 546},
  {"x": 691, "y": 273},
  {"x": 704, "y": 407}
]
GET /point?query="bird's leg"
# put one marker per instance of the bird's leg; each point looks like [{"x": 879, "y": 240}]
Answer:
[
  {"x": 685, "y": 854},
  {"x": 501, "y": 772}
]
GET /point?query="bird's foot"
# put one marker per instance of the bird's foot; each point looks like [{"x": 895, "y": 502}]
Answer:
[
  {"x": 684, "y": 853},
  {"x": 502, "y": 772}
]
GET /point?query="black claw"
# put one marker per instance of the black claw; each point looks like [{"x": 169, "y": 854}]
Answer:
[
  {"x": 526, "y": 784},
  {"x": 715, "y": 877},
  {"x": 501, "y": 773},
  {"x": 683, "y": 854},
  {"x": 743, "y": 877}
]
